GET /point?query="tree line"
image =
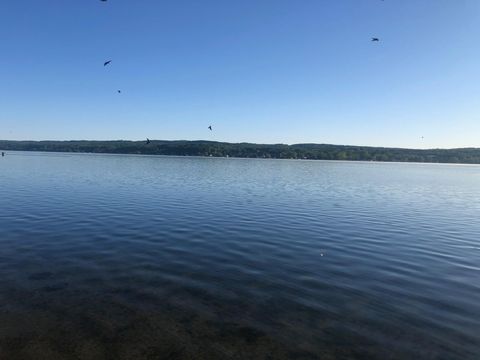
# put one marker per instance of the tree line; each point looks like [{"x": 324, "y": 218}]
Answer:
[{"x": 248, "y": 150}]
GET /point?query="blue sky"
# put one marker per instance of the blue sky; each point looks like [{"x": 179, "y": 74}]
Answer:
[{"x": 270, "y": 71}]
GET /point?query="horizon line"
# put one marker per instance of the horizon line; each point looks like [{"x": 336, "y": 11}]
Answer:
[{"x": 250, "y": 143}]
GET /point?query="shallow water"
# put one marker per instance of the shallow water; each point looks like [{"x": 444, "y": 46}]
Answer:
[{"x": 135, "y": 257}]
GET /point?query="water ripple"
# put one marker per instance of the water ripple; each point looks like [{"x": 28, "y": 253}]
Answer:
[{"x": 121, "y": 257}]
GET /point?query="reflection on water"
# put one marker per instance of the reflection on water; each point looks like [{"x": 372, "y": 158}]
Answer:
[{"x": 132, "y": 257}]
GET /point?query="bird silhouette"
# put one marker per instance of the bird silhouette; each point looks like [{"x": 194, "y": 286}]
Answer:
[
  {"x": 107, "y": 62},
  {"x": 119, "y": 91},
  {"x": 148, "y": 141},
  {"x": 375, "y": 39},
  {"x": 210, "y": 127}
]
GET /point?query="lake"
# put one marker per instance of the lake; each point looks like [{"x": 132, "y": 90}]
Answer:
[{"x": 137, "y": 257}]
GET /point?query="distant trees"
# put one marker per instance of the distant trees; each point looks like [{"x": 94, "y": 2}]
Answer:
[{"x": 246, "y": 150}]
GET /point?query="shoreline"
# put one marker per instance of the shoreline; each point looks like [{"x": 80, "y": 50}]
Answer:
[{"x": 73, "y": 153}]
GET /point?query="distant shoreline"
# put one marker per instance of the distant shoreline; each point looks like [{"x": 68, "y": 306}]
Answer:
[{"x": 249, "y": 150}]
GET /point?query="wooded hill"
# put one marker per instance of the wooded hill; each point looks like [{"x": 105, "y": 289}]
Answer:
[{"x": 247, "y": 150}]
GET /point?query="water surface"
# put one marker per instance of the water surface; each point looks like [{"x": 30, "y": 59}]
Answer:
[{"x": 137, "y": 257}]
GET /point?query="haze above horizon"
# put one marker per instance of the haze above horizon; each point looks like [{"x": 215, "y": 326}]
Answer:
[{"x": 257, "y": 71}]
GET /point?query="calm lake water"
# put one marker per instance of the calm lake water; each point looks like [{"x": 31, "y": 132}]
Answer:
[{"x": 135, "y": 257}]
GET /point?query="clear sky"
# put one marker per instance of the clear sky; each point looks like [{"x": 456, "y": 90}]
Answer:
[{"x": 270, "y": 71}]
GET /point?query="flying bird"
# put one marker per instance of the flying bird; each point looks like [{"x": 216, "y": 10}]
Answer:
[
  {"x": 119, "y": 91},
  {"x": 210, "y": 127},
  {"x": 107, "y": 62},
  {"x": 375, "y": 39},
  {"x": 148, "y": 141}
]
